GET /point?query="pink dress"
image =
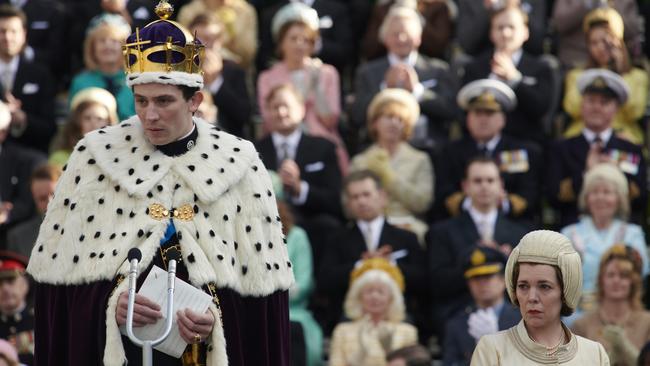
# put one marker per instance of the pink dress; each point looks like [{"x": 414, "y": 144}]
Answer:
[{"x": 319, "y": 85}]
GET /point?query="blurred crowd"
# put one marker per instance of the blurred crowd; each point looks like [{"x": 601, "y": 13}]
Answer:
[{"x": 412, "y": 144}]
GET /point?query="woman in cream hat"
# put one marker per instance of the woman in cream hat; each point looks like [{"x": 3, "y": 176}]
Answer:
[
  {"x": 603, "y": 28},
  {"x": 406, "y": 173},
  {"x": 375, "y": 305},
  {"x": 295, "y": 30},
  {"x": 544, "y": 279}
]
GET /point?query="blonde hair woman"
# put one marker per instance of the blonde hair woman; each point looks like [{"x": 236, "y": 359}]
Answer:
[
  {"x": 375, "y": 306},
  {"x": 543, "y": 279}
]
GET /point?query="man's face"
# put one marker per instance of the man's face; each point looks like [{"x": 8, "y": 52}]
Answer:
[
  {"x": 508, "y": 32},
  {"x": 484, "y": 124},
  {"x": 598, "y": 111},
  {"x": 12, "y": 293},
  {"x": 166, "y": 116},
  {"x": 487, "y": 290},
  {"x": 402, "y": 37},
  {"x": 365, "y": 200},
  {"x": 12, "y": 36},
  {"x": 483, "y": 185},
  {"x": 285, "y": 111},
  {"x": 42, "y": 192}
]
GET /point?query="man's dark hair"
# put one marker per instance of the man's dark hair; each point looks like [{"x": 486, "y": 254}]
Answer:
[
  {"x": 188, "y": 91},
  {"x": 10, "y": 11},
  {"x": 415, "y": 355},
  {"x": 46, "y": 172},
  {"x": 478, "y": 160},
  {"x": 359, "y": 176}
]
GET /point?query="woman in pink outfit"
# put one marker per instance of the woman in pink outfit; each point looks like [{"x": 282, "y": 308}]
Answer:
[{"x": 295, "y": 28}]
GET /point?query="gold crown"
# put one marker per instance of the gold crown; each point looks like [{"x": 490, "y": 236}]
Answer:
[
  {"x": 137, "y": 58},
  {"x": 382, "y": 265}
]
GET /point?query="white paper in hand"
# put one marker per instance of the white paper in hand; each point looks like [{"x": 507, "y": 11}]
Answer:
[{"x": 185, "y": 296}]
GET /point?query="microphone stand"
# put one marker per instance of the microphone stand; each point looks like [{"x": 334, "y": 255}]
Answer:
[{"x": 147, "y": 345}]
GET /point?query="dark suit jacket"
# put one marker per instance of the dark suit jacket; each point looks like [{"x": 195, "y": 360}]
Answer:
[
  {"x": 533, "y": 94},
  {"x": 459, "y": 345},
  {"x": 232, "y": 100},
  {"x": 345, "y": 247},
  {"x": 451, "y": 163},
  {"x": 567, "y": 161},
  {"x": 335, "y": 33},
  {"x": 34, "y": 87},
  {"x": 450, "y": 241},
  {"x": 316, "y": 158},
  {"x": 438, "y": 102}
]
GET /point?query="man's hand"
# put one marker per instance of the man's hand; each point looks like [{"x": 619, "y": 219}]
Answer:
[
  {"x": 145, "y": 311},
  {"x": 18, "y": 116},
  {"x": 5, "y": 210},
  {"x": 191, "y": 325},
  {"x": 212, "y": 66},
  {"x": 383, "y": 251},
  {"x": 503, "y": 67},
  {"x": 401, "y": 76},
  {"x": 290, "y": 176},
  {"x": 595, "y": 156}
]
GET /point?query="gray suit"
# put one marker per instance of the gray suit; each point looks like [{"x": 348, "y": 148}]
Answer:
[{"x": 437, "y": 102}]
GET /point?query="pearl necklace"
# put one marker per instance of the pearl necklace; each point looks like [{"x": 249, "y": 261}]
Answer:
[{"x": 550, "y": 351}]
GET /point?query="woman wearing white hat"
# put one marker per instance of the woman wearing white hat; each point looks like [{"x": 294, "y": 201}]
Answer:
[{"x": 544, "y": 279}]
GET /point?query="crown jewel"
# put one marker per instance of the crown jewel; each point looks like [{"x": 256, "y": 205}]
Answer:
[{"x": 162, "y": 46}]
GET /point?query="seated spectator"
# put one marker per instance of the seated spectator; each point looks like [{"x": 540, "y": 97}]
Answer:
[
  {"x": 436, "y": 32},
  {"x": 603, "y": 93},
  {"x": 473, "y": 25},
  {"x": 91, "y": 109},
  {"x": 27, "y": 87},
  {"x": 224, "y": 79},
  {"x": 336, "y": 43},
  {"x": 300, "y": 256},
  {"x": 104, "y": 64},
  {"x": 619, "y": 322},
  {"x": 406, "y": 173},
  {"x": 567, "y": 21},
  {"x": 136, "y": 12},
  {"x": 606, "y": 50},
  {"x": 239, "y": 21},
  {"x": 481, "y": 225},
  {"x": 429, "y": 80},
  {"x": 8, "y": 354},
  {"x": 375, "y": 307},
  {"x": 527, "y": 75},
  {"x": 604, "y": 200},
  {"x": 415, "y": 355},
  {"x": 21, "y": 238},
  {"x": 306, "y": 165},
  {"x": 489, "y": 312},
  {"x": 369, "y": 235},
  {"x": 16, "y": 311},
  {"x": 16, "y": 166},
  {"x": 295, "y": 27},
  {"x": 486, "y": 103}
]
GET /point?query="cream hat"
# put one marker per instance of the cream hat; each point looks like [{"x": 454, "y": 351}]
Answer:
[
  {"x": 294, "y": 12},
  {"x": 395, "y": 95},
  {"x": 554, "y": 249},
  {"x": 99, "y": 95}
]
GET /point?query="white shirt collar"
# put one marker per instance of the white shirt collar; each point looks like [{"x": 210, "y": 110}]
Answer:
[
  {"x": 478, "y": 217},
  {"x": 410, "y": 60},
  {"x": 492, "y": 143},
  {"x": 291, "y": 140},
  {"x": 11, "y": 65},
  {"x": 516, "y": 56},
  {"x": 591, "y": 135},
  {"x": 376, "y": 225}
]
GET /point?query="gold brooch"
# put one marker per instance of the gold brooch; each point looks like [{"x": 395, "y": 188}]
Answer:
[{"x": 159, "y": 212}]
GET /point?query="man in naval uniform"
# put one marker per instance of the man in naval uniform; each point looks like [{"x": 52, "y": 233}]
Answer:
[
  {"x": 16, "y": 313},
  {"x": 161, "y": 180}
]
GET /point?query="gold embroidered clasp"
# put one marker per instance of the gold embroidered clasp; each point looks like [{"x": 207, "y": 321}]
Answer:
[{"x": 159, "y": 212}]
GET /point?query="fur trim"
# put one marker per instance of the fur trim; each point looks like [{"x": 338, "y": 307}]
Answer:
[
  {"x": 217, "y": 355},
  {"x": 114, "y": 349},
  {"x": 172, "y": 77},
  {"x": 100, "y": 211}
]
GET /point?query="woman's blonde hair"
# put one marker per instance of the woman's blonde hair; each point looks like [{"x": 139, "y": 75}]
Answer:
[
  {"x": 608, "y": 173},
  {"x": 103, "y": 30},
  {"x": 393, "y": 102},
  {"x": 629, "y": 262},
  {"x": 353, "y": 307}
]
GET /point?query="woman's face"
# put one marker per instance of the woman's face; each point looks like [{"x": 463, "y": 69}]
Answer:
[
  {"x": 94, "y": 117},
  {"x": 389, "y": 127},
  {"x": 539, "y": 294},
  {"x": 616, "y": 283},
  {"x": 602, "y": 201},
  {"x": 297, "y": 43},
  {"x": 376, "y": 299},
  {"x": 108, "y": 50},
  {"x": 600, "y": 43}
]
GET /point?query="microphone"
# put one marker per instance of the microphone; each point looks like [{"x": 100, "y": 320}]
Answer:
[
  {"x": 135, "y": 255},
  {"x": 172, "y": 255}
]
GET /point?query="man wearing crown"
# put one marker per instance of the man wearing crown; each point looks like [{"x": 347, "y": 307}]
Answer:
[{"x": 161, "y": 180}]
